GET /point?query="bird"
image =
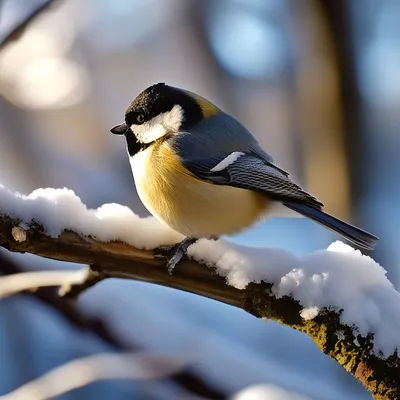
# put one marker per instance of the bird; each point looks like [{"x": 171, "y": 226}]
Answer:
[{"x": 201, "y": 172}]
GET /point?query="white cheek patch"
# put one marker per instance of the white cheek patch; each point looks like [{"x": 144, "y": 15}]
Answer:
[
  {"x": 227, "y": 161},
  {"x": 160, "y": 125},
  {"x": 148, "y": 132}
]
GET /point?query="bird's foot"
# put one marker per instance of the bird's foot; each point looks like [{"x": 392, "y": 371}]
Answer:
[{"x": 175, "y": 252}]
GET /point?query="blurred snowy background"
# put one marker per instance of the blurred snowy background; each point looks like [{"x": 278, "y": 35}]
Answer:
[{"x": 317, "y": 81}]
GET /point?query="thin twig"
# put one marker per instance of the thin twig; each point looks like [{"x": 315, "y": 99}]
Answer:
[
  {"x": 83, "y": 371},
  {"x": 13, "y": 284},
  {"x": 16, "y": 32},
  {"x": 186, "y": 378}
]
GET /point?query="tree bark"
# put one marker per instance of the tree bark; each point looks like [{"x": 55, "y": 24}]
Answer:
[{"x": 118, "y": 260}]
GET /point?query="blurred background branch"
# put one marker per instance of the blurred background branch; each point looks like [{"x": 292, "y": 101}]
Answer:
[
  {"x": 17, "y": 29},
  {"x": 95, "y": 326},
  {"x": 84, "y": 371}
]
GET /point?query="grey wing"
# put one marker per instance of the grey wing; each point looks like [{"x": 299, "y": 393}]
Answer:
[
  {"x": 211, "y": 141},
  {"x": 249, "y": 171},
  {"x": 222, "y": 134}
]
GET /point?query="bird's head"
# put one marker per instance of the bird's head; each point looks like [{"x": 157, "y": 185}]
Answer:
[{"x": 163, "y": 110}]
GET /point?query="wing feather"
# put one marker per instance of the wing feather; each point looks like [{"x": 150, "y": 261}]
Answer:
[
  {"x": 213, "y": 140},
  {"x": 251, "y": 172}
]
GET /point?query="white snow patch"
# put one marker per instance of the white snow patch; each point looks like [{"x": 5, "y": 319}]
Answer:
[
  {"x": 227, "y": 161},
  {"x": 309, "y": 312},
  {"x": 267, "y": 391},
  {"x": 242, "y": 265},
  {"x": 60, "y": 209},
  {"x": 18, "y": 233},
  {"x": 339, "y": 278}
]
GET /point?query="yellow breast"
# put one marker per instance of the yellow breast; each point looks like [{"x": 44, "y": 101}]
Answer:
[{"x": 188, "y": 205}]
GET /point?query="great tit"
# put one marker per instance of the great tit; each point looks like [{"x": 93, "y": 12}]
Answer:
[{"x": 201, "y": 172}]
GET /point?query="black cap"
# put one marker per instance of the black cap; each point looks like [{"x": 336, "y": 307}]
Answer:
[{"x": 162, "y": 98}]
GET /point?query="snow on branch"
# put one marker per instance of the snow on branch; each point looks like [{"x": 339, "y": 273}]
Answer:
[{"x": 339, "y": 297}]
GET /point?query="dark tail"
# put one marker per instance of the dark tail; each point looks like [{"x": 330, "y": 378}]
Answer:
[{"x": 352, "y": 233}]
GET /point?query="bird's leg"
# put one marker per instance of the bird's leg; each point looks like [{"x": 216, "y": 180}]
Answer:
[{"x": 176, "y": 251}]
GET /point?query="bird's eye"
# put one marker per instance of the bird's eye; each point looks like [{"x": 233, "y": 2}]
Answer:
[{"x": 140, "y": 118}]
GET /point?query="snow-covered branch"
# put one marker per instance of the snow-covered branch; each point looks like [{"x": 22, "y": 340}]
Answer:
[{"x": 338, "y": 297}]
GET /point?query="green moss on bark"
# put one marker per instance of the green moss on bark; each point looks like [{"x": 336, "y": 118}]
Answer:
[{"x": 381, "y": 376}]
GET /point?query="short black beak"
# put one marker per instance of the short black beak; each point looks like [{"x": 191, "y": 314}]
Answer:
[{"x": 119, "y": 129}]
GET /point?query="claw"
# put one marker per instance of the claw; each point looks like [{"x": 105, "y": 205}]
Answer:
[{"x": 176, "y": 251}]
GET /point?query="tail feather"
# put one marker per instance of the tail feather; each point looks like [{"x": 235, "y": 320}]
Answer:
[{"x": 355, "y": 235}]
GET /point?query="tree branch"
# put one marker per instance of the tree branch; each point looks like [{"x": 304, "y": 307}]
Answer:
[
  {"x": 118, "y": 260},
  {"x": 186, "y": 378},
  {"x": 20, "y": 27}
]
